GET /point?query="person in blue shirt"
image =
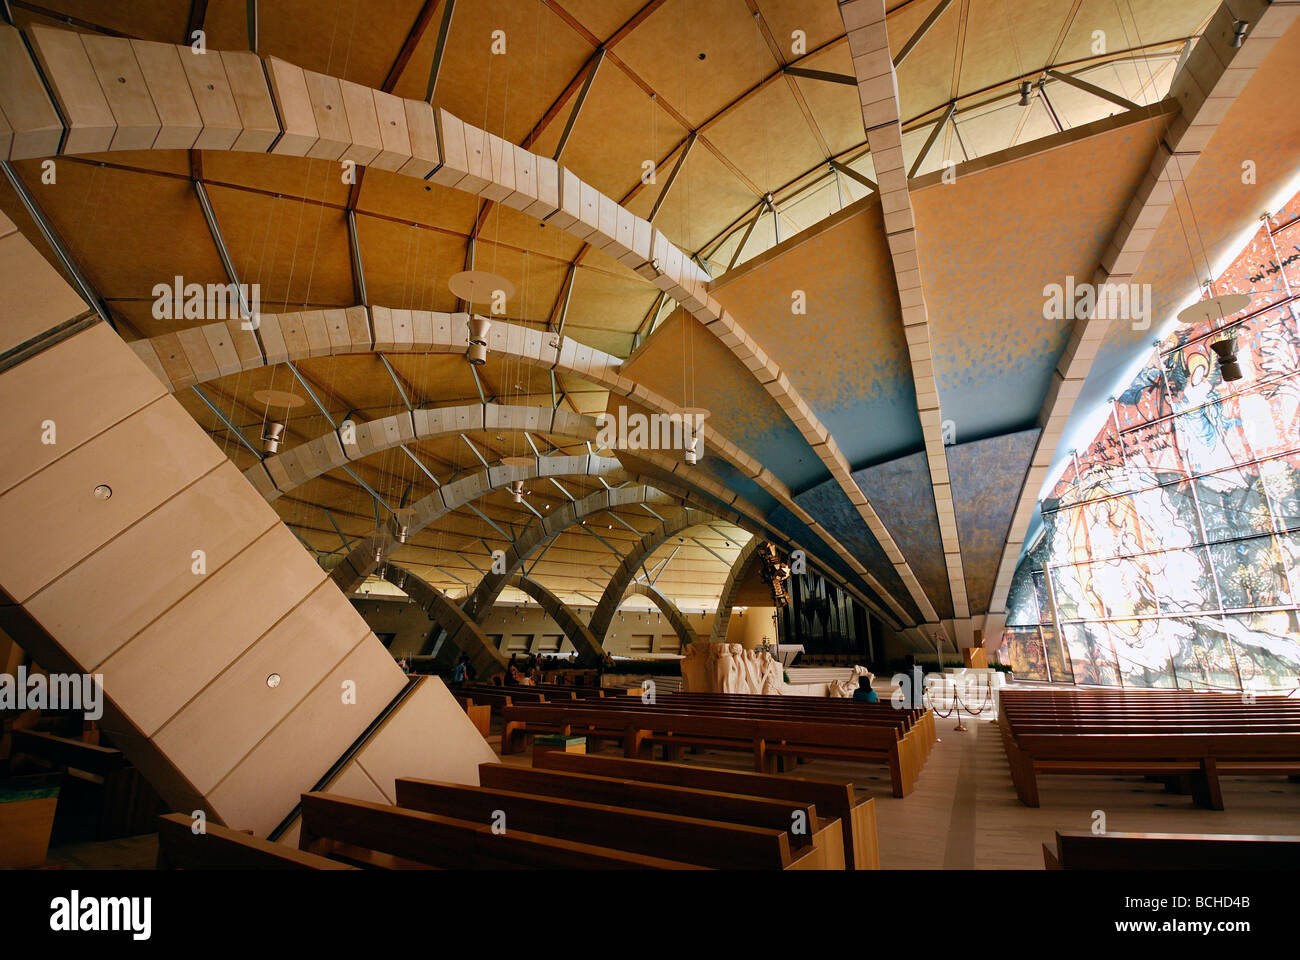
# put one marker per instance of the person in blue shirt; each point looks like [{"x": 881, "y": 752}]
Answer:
[
  {"x": 460, "y": 673},
  {"x": 864, "y": 694}
]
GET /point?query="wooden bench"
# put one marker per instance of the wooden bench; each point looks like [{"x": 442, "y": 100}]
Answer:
[
  {"x": 495, "y": 700},
  {"x": 1187, "y": 740},
  {"x": 220, "y": 848},
  {"x": 912, "y": 717},
  {"x": 480, "y": 714},
  {"x": 918, "y": 725},
  {"x": 707, "y": 843},
  {"x": 799, "y": 818},
  {"x": 66, "y": 753},
  {"x": 914, "y": 727},
  {"x": 833, "y": 798},
  {"x": 103, "y": 796},
  {"x": 381, "y": 836},
  {"x": 766, "y": 737},
  {"x": 1171, "y": 851}
]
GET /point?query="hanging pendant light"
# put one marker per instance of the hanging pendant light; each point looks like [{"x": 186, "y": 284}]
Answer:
[
  {"x": 272, "y": 436},
  {"x": 478, "y": 334},
  {"x": 692, "y": 433},
  {"x": 1226, "y": 352}
]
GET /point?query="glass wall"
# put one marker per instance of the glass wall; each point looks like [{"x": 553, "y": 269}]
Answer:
[{"x": 1170, "y": 552}]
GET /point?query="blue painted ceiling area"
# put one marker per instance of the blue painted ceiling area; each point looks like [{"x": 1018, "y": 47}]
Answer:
[
  {"x": 986, "y": 477},
  {"x": 901, "y": 494},
  {"x": 834, "y": 511}
]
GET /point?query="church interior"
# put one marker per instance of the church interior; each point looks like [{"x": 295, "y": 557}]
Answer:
[{"x": 649, "y": 435}]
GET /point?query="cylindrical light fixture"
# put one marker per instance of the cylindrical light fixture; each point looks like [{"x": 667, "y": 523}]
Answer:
[
  {"x": 517, "y": 491},
  {"x": 478, "y": 334},
  {"x": 272, "y": 436},
  {"x": 1025, "y": 88},
  {"x": 1226, "y": 352},
  {"x": 1239, "y": 28},
  {"x": 692, "y": 428}
]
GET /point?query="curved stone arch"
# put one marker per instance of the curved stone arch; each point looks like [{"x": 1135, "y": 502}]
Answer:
[
  {"x": 467, "y": 635},
  {"x": 280, "y": 116},
  {"x": 177, "y": 364},
  {"x": 360, "y": 561},
  {"x": 745, "y": 562},
  {"x": 478, "y": 604},
  {"x": 681, "y": 625},
  {"x": 282, "y": 472},
  {"x": 588, "y": 646},
  {"x": 609, "y": 601},
  {"x": 655, "y": 466}
]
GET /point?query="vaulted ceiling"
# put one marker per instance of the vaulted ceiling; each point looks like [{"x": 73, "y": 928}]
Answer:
[{"x": 758, "y": 96}]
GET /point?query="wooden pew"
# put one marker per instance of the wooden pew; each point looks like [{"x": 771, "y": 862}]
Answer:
[
  {"x": 66, "y": 753},
  {"x": 495, "y": 700},
  {"x": 878, "y": 740},
  {"x": 833, "y": 798},
  {"x": 706, "y": 843},
  {"x": 480, "y": 714},
  {"x": 1171, "y": 851},
  {"x": 822, "y": 705},
  {"x": 220, "y": 848},
  {"x": 103, "y": 797},
  {"x": 1186, "y": 739},
  {"x": 379, "y": 835},
  {"x": 918, "y": 725},
  {"x": 798, "y": 818}
]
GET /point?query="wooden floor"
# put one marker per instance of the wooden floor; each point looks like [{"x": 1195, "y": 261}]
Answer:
[{"x": 964, "y": 813}]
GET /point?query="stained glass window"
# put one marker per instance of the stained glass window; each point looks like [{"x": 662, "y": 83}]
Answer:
[{"x": 1170, "y": 552}]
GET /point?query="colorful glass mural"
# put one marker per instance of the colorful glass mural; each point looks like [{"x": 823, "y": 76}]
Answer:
[{"x": 1170, "y": 550}]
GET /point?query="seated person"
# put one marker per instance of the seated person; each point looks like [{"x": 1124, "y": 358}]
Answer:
[{"x": 864, "y": 694}]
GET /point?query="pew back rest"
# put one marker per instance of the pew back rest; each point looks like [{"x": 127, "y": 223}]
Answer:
[
  {"x": 833, "y": 798},
  {"x": 661, "y": 798},
  {"x": 826, "y": 733},
  {"x": 1172, "y": 851},
  {"x": 451, "y": 843},
  {"x": 220, "y": 848},
  {"x": 694, "y": 840}
]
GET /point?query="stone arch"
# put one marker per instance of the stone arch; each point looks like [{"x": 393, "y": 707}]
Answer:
[
  {"x": 278, "y": 115},
  {"x": 589, "y": 648},
  {"x": 468, "y": 636},
  {"x": 744, "y": 564},
  {"x": 363, "y": 329},
  {"x": 479, "y": 603},
  {"x": 681, "y": 626},
  {"x": 278, "y": 111},
  {"x": 609, "y": 602},
  {"x": 360, "y": 561},
  {"x": 281, "y": 472}
]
